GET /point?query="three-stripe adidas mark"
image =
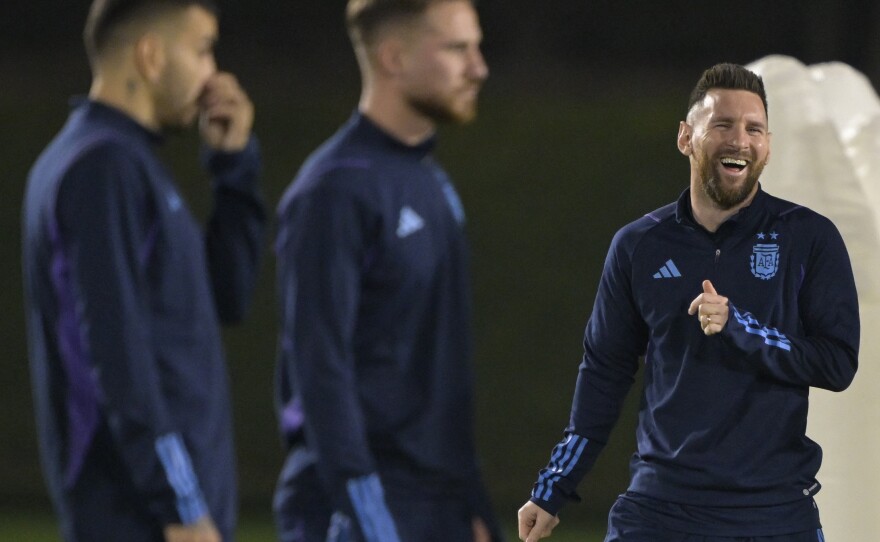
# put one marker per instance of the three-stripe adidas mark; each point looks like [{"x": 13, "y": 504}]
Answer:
[{"x": 668, "y": 271}]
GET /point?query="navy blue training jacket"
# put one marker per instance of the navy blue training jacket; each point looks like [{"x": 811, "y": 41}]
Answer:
[
  {"x": 375, "y": 349},
  {"x": 723, "y": 418},
  {"x": 123, "y": 293}
]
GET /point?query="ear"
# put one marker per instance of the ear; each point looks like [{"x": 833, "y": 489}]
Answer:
[
  {"x": 149, "y": 56},
  {"x": 390, "y": 56},
  {"x": 685, "y": 132}
]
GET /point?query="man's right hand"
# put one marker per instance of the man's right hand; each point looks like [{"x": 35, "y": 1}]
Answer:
[
  {"x": 203, "y": 530},
  {"x": 535, "y": 523}
]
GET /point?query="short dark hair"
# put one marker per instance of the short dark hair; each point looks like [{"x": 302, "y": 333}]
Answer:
[
  {"x": 729, "y": 76},
  {"x": 364, "y": 17},
  {"x": 107, "y": 16}
]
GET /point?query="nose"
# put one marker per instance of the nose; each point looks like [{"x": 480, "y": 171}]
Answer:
[
  {"x": 477, "y": 68},
  {"x": 739, "y": 136}
]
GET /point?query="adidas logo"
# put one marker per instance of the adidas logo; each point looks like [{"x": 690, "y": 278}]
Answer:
[
  {"x": 668, "y": 271},
  {"x": 409, "y": 223}
]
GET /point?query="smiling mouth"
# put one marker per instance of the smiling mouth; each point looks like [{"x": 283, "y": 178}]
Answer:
[{"x": 736, "y": 164}]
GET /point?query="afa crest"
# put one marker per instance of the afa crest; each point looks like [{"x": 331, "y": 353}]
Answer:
[{"x": 765, "y": 260}]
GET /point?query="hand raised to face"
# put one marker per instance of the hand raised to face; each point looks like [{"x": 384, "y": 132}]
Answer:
[{"x": 227, "y": 114}]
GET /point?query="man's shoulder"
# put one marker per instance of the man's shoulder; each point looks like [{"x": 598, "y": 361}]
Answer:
[
  {"x": 629, "y": 238},
  {"x": 343, "y": 166},
  {"x": 795, "y": 213},
  {"x": 340, "y": 174},
  {"x": 649, "y": 221},
  {"x": 83, "y": 152}
]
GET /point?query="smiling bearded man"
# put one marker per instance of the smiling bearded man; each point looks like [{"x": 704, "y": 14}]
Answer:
[{"x": 722, "y": 451}]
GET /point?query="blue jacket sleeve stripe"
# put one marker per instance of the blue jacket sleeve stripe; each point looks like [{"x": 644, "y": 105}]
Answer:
[
  {"x": 771, "y": 336},
  {"x": 178, "y": 468},
  {"x": 368, "y": 501},
  {"x": 569, "y": 450}
]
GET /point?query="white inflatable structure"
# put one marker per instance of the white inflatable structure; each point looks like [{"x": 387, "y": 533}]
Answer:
[{"x": 825, "y": 154}]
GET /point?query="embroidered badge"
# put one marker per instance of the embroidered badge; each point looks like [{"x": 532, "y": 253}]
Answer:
[{"x": 765, "y": 258}]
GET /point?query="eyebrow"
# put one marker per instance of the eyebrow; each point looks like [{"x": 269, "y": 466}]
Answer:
[{"x": 729, "y": 118}]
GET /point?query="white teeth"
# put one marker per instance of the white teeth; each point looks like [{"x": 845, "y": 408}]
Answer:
[{"x": 733, "y": 162}]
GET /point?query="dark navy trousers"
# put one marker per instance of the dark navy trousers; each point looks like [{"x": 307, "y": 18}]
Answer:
[{"x": 627, "y": 524}]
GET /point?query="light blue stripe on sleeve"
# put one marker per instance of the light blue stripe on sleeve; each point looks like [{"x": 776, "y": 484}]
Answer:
[
  {"x": 368, "y": 501},
  {"x": 565, "y": 457},
  {"x": 771, "y": 336},
  {"x": 182, "y": 478}
]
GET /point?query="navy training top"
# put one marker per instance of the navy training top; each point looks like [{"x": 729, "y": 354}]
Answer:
[
  {"x": 123, "y": 293},
  {"x": 375, "y": 345},
  {"x": 722, "y": 422}
]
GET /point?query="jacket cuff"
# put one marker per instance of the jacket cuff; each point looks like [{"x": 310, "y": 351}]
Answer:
[
  {"x": 237, "y": 170},
  {"x": 189, "y": 502}
]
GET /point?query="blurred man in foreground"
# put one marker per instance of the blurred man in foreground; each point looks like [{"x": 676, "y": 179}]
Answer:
[
  {"x": 125, "y": 291},
  {"x": 375, "y": 379}
]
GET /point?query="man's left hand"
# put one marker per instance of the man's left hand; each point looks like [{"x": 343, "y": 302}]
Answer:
[{"x": 711, "y": 309}]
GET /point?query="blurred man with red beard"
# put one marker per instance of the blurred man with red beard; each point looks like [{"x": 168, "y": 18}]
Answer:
[
  {"x": 375, "y": 380},
  {"x": 125, "y": 292},
  {"x": 739, "y": 302}
]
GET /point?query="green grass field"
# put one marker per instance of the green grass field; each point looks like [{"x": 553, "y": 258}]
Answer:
[{"x": 35, "y": 527}]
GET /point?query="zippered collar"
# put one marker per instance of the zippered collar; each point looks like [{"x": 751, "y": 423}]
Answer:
[{"x": 745, "y": 217}]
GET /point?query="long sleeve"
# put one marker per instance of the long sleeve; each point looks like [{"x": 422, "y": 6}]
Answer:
[
  {"x": 105, "y": 220},
  {"x": 615, "y": 337},
  {"x": 824, "y": 352},
  {"x": 236, "y": 230},
  {"x": 322, "y": 248}
]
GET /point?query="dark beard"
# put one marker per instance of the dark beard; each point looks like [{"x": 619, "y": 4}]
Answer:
[{"x": 728, "y": 199}]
